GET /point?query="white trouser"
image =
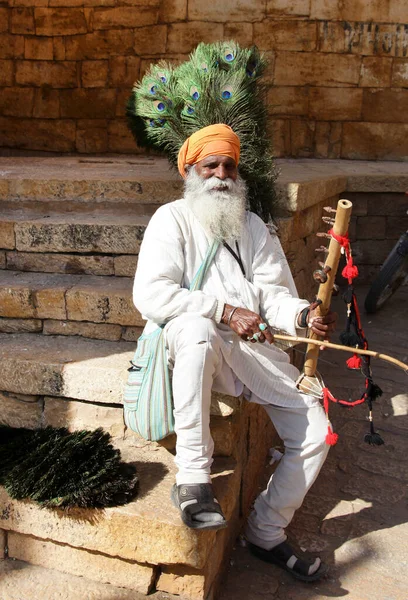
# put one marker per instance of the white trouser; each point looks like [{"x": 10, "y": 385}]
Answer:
[{"x": 194, "y": 352}]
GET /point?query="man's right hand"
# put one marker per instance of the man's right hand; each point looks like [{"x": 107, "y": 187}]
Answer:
[{"x": 245, "y": 323}]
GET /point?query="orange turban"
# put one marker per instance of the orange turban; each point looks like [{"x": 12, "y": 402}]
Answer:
[{"x": 212, "y": 140}]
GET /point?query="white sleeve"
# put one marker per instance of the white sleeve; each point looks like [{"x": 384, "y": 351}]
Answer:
[
  {"x": 157, "y": 291},
  {"x": 279, "y": 300}
]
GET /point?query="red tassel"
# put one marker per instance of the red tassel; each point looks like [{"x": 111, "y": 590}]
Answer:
[
  {"x": 354, "y": 362},
  {"x": 350, "y": 271},
  {"x": 331, "y": 437}
]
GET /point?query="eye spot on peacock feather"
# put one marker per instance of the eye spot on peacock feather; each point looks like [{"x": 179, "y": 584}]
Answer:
[
  {"x": 194, "y": 93},
  {"x": 153, "y": 90},
  {"x": 226, "y": 93},
  {"x": 162, "y": 77},
  {"x": 160, "y": 106},
  {"x": 204, "y": 67}
]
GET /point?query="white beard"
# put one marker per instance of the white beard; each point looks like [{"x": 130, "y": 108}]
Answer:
[{"x": 220, "y": 212}]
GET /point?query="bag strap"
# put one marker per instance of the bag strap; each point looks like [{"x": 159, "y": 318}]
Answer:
[{"x": 199, "y": 276}]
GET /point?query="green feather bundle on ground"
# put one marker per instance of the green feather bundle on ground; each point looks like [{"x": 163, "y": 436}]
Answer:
[
  {"x": 56, "y": 468},
  {"x": 218, "y": 84}
]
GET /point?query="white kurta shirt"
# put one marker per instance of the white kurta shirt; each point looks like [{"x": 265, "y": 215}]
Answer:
[{"x": 174, "y": 247}]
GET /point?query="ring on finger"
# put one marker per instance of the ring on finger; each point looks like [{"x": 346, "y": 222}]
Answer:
[
  {"x": 254, "y": 338},
  {"x": 263, "y": 326}
]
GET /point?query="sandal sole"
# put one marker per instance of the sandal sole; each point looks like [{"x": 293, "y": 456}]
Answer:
[
  {"x": 194, "y": 524},
  {"x": 267, "y": 557}
]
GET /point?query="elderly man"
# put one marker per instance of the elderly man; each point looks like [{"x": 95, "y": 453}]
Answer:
[{"x": 221, "y": 338}]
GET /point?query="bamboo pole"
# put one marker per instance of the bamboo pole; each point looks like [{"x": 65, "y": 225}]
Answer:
[{"x": 324, "y": 294}]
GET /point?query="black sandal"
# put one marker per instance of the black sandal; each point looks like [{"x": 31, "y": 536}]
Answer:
[
  {"x": 196, "y": 499},
  {"x": 283, "y": 556}
]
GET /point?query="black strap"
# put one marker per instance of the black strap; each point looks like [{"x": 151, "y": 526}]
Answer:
[{"x": 236, "y": 255}]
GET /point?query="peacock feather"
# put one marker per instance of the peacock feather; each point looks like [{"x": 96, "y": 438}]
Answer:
[{"x": 218, "y": 84}]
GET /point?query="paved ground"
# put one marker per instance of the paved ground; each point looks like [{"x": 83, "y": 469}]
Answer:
[{"x": 356, "y": 514}]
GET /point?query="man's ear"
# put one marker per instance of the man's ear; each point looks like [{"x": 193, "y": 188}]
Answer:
[{"x": 187, "y": 168}]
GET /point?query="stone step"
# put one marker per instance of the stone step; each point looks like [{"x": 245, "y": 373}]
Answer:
[{"x": 68, "y": 298}]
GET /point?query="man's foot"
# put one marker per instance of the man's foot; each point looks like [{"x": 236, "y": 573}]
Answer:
[
  {"x": 198, "y": 507},
  {"x": 284, "y": 556}
]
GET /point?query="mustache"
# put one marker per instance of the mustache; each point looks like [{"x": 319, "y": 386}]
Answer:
[{"x": 221, "y": 185}]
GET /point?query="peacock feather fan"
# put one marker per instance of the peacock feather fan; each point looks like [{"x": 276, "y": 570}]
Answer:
[{"x": 218, "y": 84}]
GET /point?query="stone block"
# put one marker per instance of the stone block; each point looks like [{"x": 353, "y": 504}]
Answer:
[
  {"x": 131, "y": 334},
  {"x": 100, "y": 44},
  {"x": 242, "y": 33},
  {"x": 11, "y": 46},
  {"x": 59, "y": 48},
  {"x": 379, "y": 39},
  {"x": 385, "y": 106},
  {"x": 120, "y": 139},
  {"x": 59, "y": 412},
  {"x": 172, "y": 11},
  {"x": 400, "y": 72},
  {"x": 124, "y": 71},
  {"x": 7, "y": 239},
  {"x": 288, "y": 101},
  {"x": 292, "y": 35},
  {"x": 60, "y": 263},
  {"x": 60, "y": 21},
  {"x": 367, "y": 253},
  {"x": 125, "y": 266},
  {"x": 46, "y": 103},
  {"x": 2, "y": 259},
  {"x": 39, "y": 48},
  {"x": 375, "y": 141},
  {"x": 4, "y": 19},
  {"x": 88, "y": 103},
  {"x": 298, "y": 8},
  {"x": 280, "y": 137},
  {"x": 91, "y": 565},
  {"x": 297, "y": 68},
  {"x": 39, "y": 73},
  {"x": 20, "y": 411},
  {"x": 93, "y": 139},
  {"x": 328, "y": 140},
  {"x": 389, "y": 205},
  {"x": 16, "y": 102},
  {"x": 90, "y": 235},
  {"x": 3, "y": 543},
  {"x": 124, "y": 16},
  {"x": 69, "y": 3},
  {"x": 377, "y": 10},
  {"x": 20, "y": 325},
  {"x": 184, "y": 37},
  {"x": 122, "y": 98},
  {"x": 335, "y": 104},
  {"x": 228, "y": 11},
  {"x": 6, "y": 72},
  {"x": 94, "y": 73},
  {"x": 151, "y": 40},
  {"x": 371, "y": 228},
  {"x": 95, "y": 331},
  {"x": 22, "y": 21},
  {"x": 302, "y": 138},
  {"x": 103, "y": 300},
  {"x": 395, "y": 227},
  {"x": 376, "y": 72}
]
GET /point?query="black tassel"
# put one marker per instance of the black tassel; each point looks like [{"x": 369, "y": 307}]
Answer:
[
  {"x": 348, "y": 338},
  {"x": 374, "y": 391},
  {"x": 374, "y": 439}
]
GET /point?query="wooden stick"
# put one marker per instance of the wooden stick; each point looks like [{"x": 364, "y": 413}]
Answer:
[
  {"x": 340, "y": 227},
  {"x": 391, "y": 359}
]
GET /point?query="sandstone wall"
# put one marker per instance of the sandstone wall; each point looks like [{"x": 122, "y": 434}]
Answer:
[{"x": 337, "y": 78}]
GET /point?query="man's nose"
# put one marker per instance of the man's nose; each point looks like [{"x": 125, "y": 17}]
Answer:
[{"x": 221, "y": 172}]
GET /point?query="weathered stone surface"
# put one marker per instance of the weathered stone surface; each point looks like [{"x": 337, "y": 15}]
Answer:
[
  {"x": 302, "y": 138},
  {"x": 17, "y": 102},
  {"x": 7, "y": 235},
  {"x": 20, "y": 411},
  {"x": 20, "y": 325},
  {"x": 38, "y": 48},
  {"x": 299, "y": 8},
  {"x": 378, "y": 10},
  {"x": 32, "y": 295},
  {"x": 228, "y": 11},
  {"x": 328, "y": 140},
  {"x": 124, "y": 16},
  {"x": 3, "y": 19},
  {"x": 148, "y": 529},
  {"x": 125, "y": 266},
  {"x": 295, "y": 68},
  {"x": 96, "y": 331},
  {"x": 120, "y": 138},
  {"x": 385, "y": 105},
  {"x": 88, "y": 103},
  {"x": 100, "y": 44},
  {"x": 2, "y": 259},
  {"x": 381, "y": 466},
  {"x": 375, "y": 141},
  {"x": 60, "y": 21},
  {"x": 334, "y": 104},
  {"x": 21, "y": 580},
  {"x": 3, "y": 541},
  {"x": 183, "y": 37},
  {"x": 75, "y": 415},
  {"x": 94, "y": 73},
  {"x": 367, "y": 253},
  {"x": 131, "y": 334},
  {"x": 96, "y": 567},
  {"x": 371, "y": 228},
  {"x": 223, "y": 405},
  {"x": 242, "y": 33},
  {"x": 400, "y": 72},
  {"x": 61, "y": 74},
  {"x": 375, "y": 72},
  {"x": 383, "y": 490},
  {"x": 93, "y": 137},
  {"x": 60, "y": 263},
  {"x": 154, "y": 38},
  {"x": 80, "y": 233},
  {"x": 172, "y": 11},
  {"x": 288, "y": 101},
  {"x": 22, "y": 21},
  {"x": 103, "y": 300},
  {"x": 297, "y": 36},
  {"x": 124, "y": 70},
  {"x": 11, "y": 46},
  {"x": 46, "y": 104}
]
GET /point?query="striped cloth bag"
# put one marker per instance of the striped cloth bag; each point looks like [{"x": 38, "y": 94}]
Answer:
[{"x": 148, "y": 401}]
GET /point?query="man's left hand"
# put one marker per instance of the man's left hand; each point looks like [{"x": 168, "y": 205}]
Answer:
[{"x": 319, "y": 325}]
